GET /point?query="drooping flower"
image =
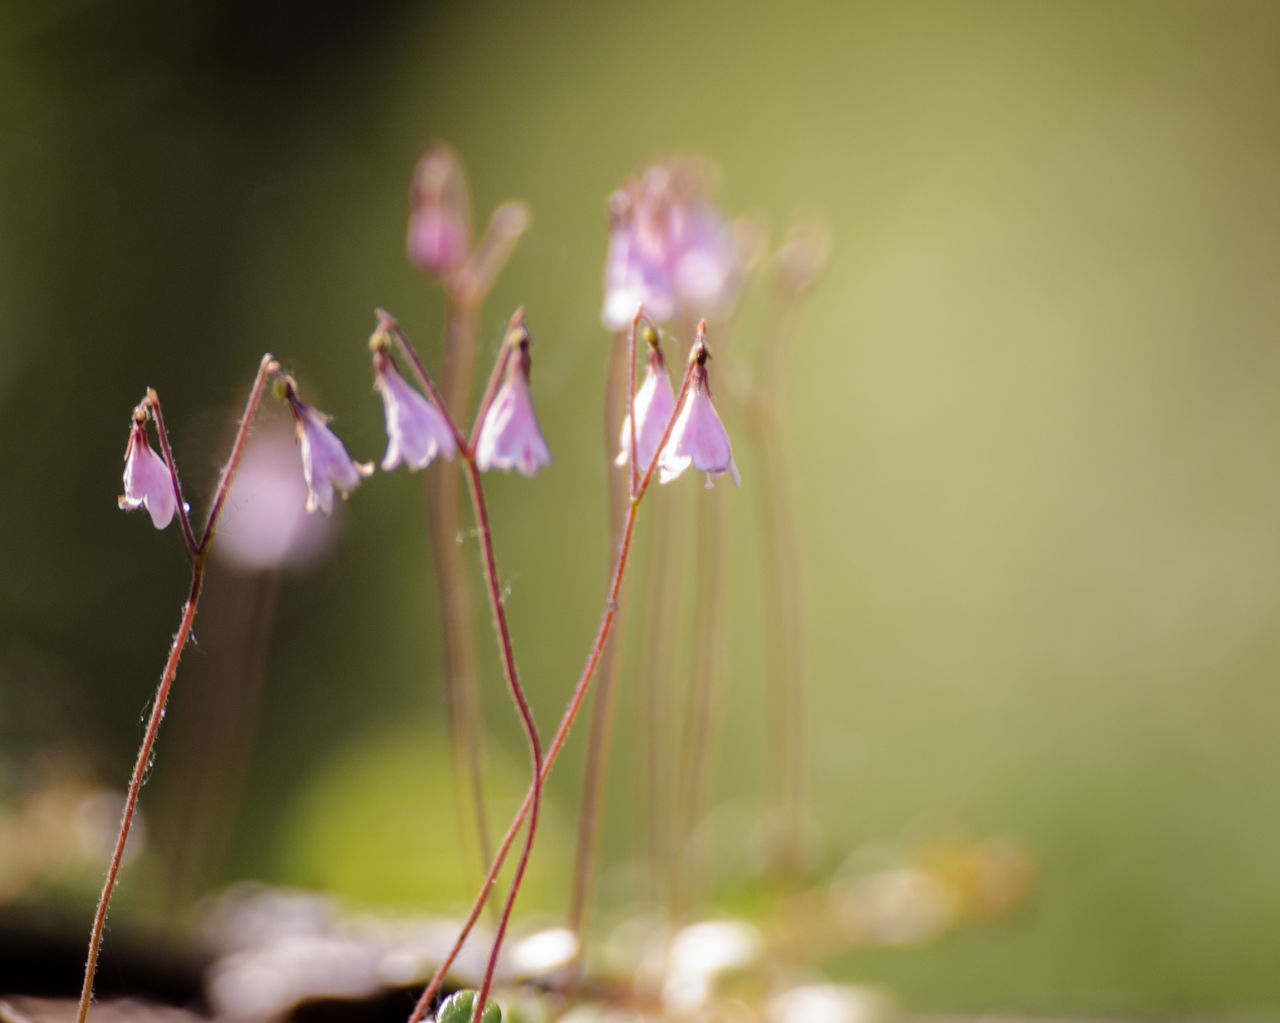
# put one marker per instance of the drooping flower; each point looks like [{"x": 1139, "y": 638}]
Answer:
[
  {"x": 416, "y": 431},
  {"x": 147, "y": 481},
  {"x": 670, "y": 249},
  {"x": 509, "y": 436},
  {"x": 698, "y": 437},
  {"x": 705, "y": 262},
  {"x": 325, "y": 462},
  {"x": 439, "y": 238},
  {"x": 635, "y": 267},
  {"x": 655, "y": 402}
]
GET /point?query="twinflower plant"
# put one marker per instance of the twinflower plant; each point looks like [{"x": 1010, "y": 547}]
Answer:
[{"x": 663, "y": 431}]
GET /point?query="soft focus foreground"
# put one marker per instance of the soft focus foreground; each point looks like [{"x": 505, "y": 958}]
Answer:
[{"x": 1032, "y": 437}]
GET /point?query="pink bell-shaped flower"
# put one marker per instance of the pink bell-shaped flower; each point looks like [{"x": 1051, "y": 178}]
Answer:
[
  {"x": 325, "y": 462},
  {"x": 439, "y": 237},
  {"x": 635, "y": 267},
  {"x": 509, "y": 436},
  {"x": 655, "y": 402},
  {"x": 698, "y": 437},
  {"x": 147, "y": 480},
  {"x": 416, "y": 431}
]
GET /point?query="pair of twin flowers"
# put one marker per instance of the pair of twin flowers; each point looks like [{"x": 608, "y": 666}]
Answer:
[{"x": 506, "y": 436}]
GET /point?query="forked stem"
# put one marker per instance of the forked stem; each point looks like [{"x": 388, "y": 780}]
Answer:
[
  {"x": 570, "y": 714},
  {"x": 135, "y": 784},
  {"x": 515, "y": 331},
  {"x": 199, "y": 554}
]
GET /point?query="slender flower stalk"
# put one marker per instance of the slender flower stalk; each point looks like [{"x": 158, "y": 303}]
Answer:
[
  {"x": 699, "y": 744},
  {"x": 600, "y": 734},
  {"x": 199, "y": 553},
  {"x": 440, "y": 243},
  {"x": 566, "y": 722},
  {"x": 797, "y": 266},
  {"x": 515, "y": 346}
]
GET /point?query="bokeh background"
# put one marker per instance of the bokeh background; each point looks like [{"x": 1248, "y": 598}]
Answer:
[{"x": 1034, "y": 438}]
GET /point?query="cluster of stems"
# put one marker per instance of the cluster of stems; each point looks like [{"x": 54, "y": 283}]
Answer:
[
  {"x": 638, "y": 485},
  {"x": 638, "y": 482}
]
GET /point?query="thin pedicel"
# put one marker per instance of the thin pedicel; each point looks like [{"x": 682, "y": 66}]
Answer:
[
  {"x": 514, "y": 346},
  {"x": 199, "y": 552},
  {"x": 441, "y": 244}
]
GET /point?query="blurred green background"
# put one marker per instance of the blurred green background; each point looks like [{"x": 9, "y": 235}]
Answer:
[{"x": 1034, "y": 438}]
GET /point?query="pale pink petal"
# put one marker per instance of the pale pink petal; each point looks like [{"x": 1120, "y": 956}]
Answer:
[
  {"x": 325, "y": 462},
  {"x": 416, "y": 431},
  {"x": 510, "y": 437},
  {"x": 635, "y": 274},
  {"x": 437, "y": 242},
  {"x": 698, "y": 439},
  {"x": 655, "y": 401},
  {"x": 147, "y": 482}
]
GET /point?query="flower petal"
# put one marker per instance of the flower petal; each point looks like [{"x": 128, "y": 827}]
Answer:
[
  {"x": 510, "y": 437},
  {"x": 416, "y": 431}
]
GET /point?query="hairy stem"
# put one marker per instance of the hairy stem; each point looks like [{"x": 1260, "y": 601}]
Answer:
[
  {"x": 453, "y": 587},
  {"x": 199, "y": 554},
  {"x": 517, "y": 694},
  {"x": 600, "y": 734},
  {"x": 135, "y": 783}
]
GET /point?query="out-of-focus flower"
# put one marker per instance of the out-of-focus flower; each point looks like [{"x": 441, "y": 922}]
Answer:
[
  {"x": 325, "y": 462},
  {"x": 439, "y": 239},
  {"x": 698, "y": 437},
  {"x": 635, "y": 267},
  {"x": 702, "y": 953},
  {"x": 264, "y": 524},
  {"x": 509, "y": 436},
  {"x": 147, "y": 481},
  {"x": 670, "y": 249},
  {"x": 830, "y": 1003},
  {"x": 655, "y": 403},
  {"x": 705, "y": 263},
  {"x": 416, "y": 431}
]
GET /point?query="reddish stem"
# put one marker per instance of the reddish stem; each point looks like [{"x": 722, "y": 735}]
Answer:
[
  {"x": 135, "y": 783},
  {"x": 571, "y": 712},
  {"x": 633, "y": 471},
  {"x": 535, "y": 746},
  {"x": 600, "y": 731},
  {"x": 489, "y": 563},
  {"x": 266, "y": 367},
  {"x": 199, "y": 554}
]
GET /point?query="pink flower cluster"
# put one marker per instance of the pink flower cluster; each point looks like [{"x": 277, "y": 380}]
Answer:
[{"x": 670, "y": 249}]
